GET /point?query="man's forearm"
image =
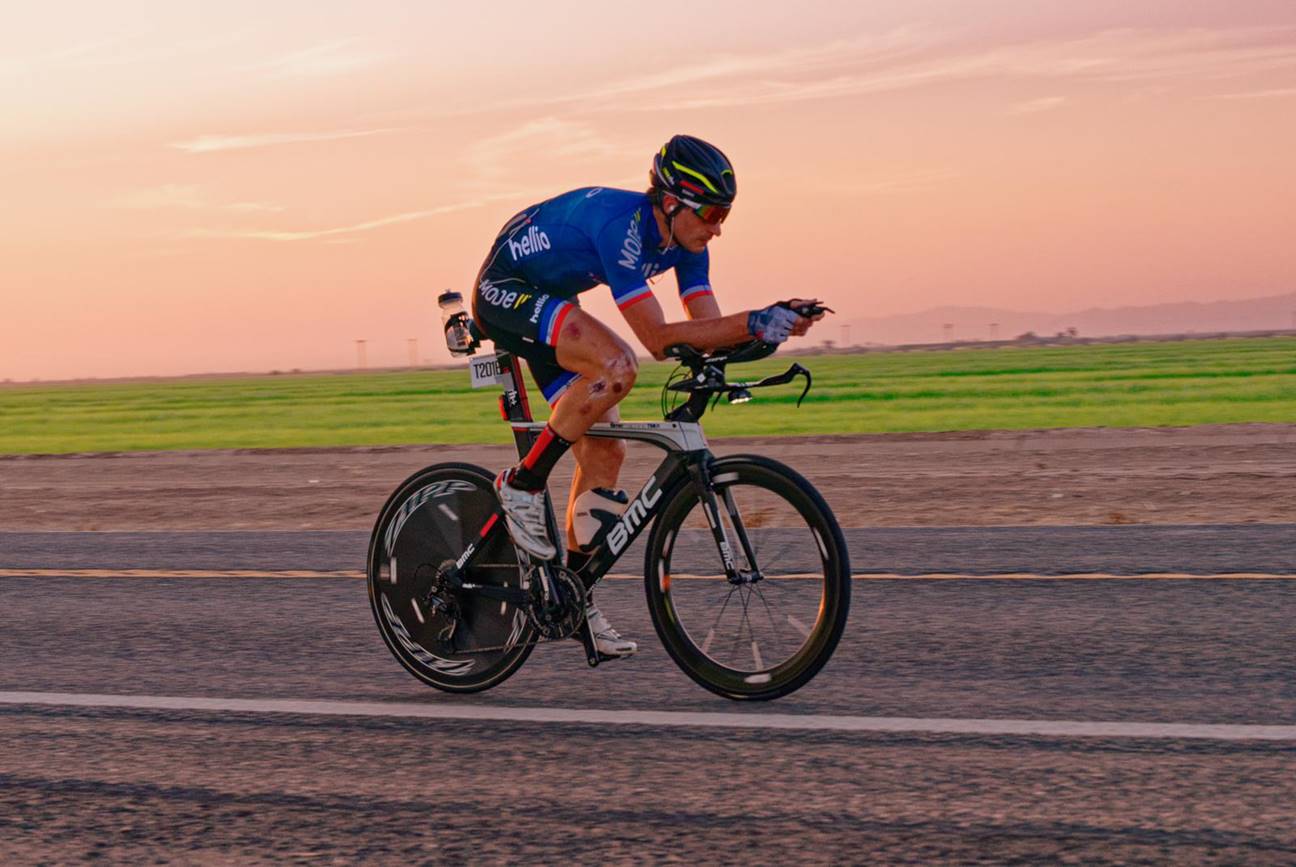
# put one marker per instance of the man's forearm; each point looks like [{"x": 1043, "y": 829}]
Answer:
[
  {"x": 703, "y": 307},
  {"x": 703, "y": 334}
]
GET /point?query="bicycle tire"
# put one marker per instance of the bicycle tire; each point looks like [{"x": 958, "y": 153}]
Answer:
[
  {"x": 429, "y": 519},
  {"x": 789, "y": 515}
]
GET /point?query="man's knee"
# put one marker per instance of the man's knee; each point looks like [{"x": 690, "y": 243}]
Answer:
[{"x": 619, "y": 373}]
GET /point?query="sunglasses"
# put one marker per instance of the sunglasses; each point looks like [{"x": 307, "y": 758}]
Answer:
[{"x": 712, "y": 214}]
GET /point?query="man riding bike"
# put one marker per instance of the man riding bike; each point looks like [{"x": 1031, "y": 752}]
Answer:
[{"x": 525, "y": 301}]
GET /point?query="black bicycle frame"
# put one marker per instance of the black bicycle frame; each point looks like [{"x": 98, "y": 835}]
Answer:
[{"x": 687, "y": 459}]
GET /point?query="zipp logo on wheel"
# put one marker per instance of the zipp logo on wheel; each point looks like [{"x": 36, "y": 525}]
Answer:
[{"x": 433, "y": 491}]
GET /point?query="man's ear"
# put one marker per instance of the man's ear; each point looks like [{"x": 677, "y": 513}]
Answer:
[{"x": 670, "y": 204}]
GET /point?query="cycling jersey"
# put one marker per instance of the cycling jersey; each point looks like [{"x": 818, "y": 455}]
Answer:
[
  {"x": 551, "y": 252},
  {"x": 589, "y": 236}
]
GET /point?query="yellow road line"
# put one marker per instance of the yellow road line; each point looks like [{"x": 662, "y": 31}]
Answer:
[
  {"x": 156, "y": 574},
  {"x": 1078, "y": 576},
  {"x": 178, "y": 573}
]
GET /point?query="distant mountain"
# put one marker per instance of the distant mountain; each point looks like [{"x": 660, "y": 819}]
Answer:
[{"x": 975, "y": 323}]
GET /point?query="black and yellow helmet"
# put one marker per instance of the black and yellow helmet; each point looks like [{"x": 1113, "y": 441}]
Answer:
[{"x": 695, "y": 172}]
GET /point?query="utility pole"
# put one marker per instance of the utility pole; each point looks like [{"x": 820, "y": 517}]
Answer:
[
  {"x": 994, "y": 330},
  {"x": 360, "y": 354},
  {"x": 413, "y": 350},
  {"x": 949, "y": 331}
]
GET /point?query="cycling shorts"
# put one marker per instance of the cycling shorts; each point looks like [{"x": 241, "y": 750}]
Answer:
[{"x": 524, "y": 321}]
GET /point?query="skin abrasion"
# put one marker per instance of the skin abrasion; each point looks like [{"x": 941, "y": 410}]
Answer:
[{"x": 622, "y": 371}]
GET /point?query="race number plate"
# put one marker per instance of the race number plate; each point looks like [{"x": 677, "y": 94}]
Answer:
[{"x": 485, "y": 371}]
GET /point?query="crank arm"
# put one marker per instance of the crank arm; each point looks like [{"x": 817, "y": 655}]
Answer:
[{"x": 514, "y": 595}]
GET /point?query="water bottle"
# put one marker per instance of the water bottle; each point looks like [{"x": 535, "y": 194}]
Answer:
[{"x": 455, "y": 321}]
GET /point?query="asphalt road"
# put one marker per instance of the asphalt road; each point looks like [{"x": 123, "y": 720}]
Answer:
[
  {"x": 205, "y": 785},
  {"x": 1197, "y": 549}
]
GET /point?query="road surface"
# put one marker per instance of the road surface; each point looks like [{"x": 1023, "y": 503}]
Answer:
[{"x": 246, "y": 719}]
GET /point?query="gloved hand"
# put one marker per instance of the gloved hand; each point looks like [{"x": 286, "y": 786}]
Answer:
[{"x": 772, "y": 324}]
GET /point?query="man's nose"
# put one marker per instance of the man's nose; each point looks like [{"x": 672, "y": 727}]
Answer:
[{"x": 715, "y": 229}]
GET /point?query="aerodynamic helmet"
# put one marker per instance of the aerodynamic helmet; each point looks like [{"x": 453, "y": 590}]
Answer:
[{"x": 695, "y": 172}]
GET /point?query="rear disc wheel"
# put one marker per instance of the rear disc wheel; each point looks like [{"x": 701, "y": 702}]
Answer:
[{"x": 454, "y": 641}]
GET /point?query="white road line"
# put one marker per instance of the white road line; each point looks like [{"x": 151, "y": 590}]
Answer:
[
  {"x": 667, "y": 719},
  {"x": 158, "y": 574}
]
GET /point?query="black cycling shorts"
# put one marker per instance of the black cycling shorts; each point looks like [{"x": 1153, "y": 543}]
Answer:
[{"x": 524, "y": 321}]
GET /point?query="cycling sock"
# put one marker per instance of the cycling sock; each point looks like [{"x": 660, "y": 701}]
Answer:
[{"x": 533, "y": 472}]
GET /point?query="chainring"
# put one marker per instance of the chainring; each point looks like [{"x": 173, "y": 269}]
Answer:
[{"x": 562, "y": 618}]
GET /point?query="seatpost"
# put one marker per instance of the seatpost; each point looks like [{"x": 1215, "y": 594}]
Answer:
[{"x": 514, "y": 406}]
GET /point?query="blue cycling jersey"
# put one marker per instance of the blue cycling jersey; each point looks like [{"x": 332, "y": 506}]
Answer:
[{"x": 575, "y": 241}]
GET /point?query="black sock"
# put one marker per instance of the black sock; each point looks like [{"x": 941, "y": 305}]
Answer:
[{"x": 533, "y": 472}]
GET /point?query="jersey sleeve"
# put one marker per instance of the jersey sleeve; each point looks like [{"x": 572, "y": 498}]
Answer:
[
  {"x": 620, "y": 249},
  {"x": 693, "y": 274}
]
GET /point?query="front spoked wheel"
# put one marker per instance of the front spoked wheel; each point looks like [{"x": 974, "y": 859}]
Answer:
[
  {"x": 768, "y": 630},
  {"x": 455, "y": 641}
]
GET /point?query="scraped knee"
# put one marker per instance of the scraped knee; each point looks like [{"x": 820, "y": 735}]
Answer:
[{"x": 619, "y": 373}]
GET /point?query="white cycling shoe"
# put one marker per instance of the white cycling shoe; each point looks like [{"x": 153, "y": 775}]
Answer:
[
  {"x": 607, "y": 640},
  {"x": 524, "y": 511}
]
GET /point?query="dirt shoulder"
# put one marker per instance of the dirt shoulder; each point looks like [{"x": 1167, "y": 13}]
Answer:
[{"x": 1210, "y": 474}]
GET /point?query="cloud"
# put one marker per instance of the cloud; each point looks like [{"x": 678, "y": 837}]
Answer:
[
  {"x": 137, "y": 47},
  {"x": 185, "y": 197},
  {"x": 546, "y": 138},
  {"x": 95, "y": 52},
  {"x": 905, "y": 60},
  {"x": 890, "y": 47},
  {"x": 1035, "y": 106},
  {"x": 166, "y": 196},
  {"x": 325, "y": 59},
  {"x": 897, "y": 182},
  {"x": 253, "y": 207},
  {"x": 1276, "y": 93},
  {"x": 213, "y": 143},
  {"x": 355, "y": 228}
]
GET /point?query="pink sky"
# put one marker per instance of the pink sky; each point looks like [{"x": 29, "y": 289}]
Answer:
[{"x": 193, "y": 187}]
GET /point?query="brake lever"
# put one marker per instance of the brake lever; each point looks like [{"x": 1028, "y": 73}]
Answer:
[{"x": 809, "y": 310}]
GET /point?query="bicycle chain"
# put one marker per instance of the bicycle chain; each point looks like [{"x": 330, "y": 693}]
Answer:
[{"x": 575, "y": 619}]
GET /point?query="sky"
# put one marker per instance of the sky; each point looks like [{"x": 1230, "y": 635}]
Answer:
[{"x": 191, "y": 187}]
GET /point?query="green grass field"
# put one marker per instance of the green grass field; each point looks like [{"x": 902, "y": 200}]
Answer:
[{"x": 1114, "y": 385}]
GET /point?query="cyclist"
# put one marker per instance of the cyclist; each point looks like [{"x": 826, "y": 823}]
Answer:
[{"x": 526, "y": 302}]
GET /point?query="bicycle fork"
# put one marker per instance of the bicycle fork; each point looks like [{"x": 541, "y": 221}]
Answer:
[{"x": 711, "y": 508}]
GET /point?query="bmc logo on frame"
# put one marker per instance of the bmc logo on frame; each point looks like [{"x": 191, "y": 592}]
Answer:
[
  {"x": 532, "y": 242},
  {"x": 633, "y": 517}
]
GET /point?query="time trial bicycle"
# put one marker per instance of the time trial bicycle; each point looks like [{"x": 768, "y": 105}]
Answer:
[{"x": 746, "y": 569}]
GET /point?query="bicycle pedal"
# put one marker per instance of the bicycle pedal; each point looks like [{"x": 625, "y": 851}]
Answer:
[{"x": 593, "y": 660}]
